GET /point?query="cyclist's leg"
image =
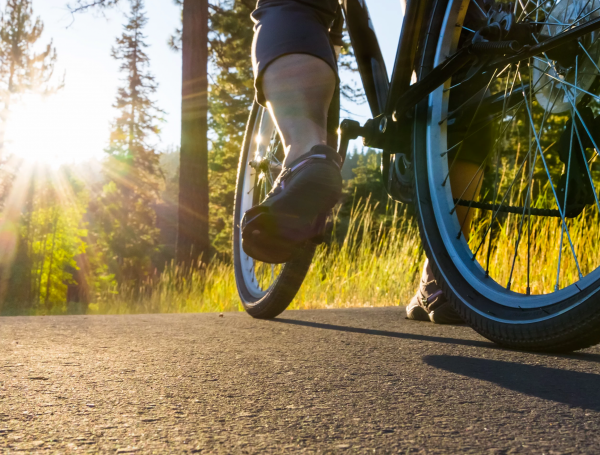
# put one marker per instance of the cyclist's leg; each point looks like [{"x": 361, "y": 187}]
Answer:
[
  {"x": 295, "y": 76},
  {"x": 428, "y": 303},
  {"x": 465, "y": 181},
  {"x": 299, "y": 89},
  {"x": 295, "y": 68}
]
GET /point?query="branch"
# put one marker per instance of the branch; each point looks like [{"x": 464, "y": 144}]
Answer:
[{"x": 93, "y": 4}]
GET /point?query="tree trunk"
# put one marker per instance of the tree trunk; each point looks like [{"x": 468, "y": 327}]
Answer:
[{"x": 192, "y": 238}]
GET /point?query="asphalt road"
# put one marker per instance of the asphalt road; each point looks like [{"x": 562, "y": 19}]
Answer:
[{"x": 316, "y": 381}]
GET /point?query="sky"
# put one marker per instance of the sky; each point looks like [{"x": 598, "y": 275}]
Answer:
[{"x": 73, "y": 125}]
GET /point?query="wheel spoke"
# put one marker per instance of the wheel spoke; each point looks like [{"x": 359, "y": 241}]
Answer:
[
  {"x": 578, "y": 18},
  {"x": 560, "y": 210},
  {"x": 567, "y": 84},
  {"x": 549, "y": 23},
  {"x": 500, "y": 206},
  {"x": 470, "y": 204},
  {"x": 562, "y": 235},
  {"x": 590, "y": 57},
  {"x": 512, "y": 268},
  {"x": 481, "y": 10},
  {"x": 527, "y": 204},
  {"x": 495, "y": 117},
  {"x": 556, "y": 287},
  {"x": 518, "y": 106},
  {"x": 467, "y": 102},
  {"x": 469, "y": 127},
  {"x": 496, "y": 182},
  {"x": 483, "y": 163},
  {"x": 486, "y": 157},
  {"x": 508, "y": 191},
  {"x": 535, "y": 10},
  {"x": 587, "y": 168}
]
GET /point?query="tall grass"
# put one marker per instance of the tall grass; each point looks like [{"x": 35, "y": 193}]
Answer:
[
  {"x": 539, "y": 250},
  {"x": 375, "y": 264}
]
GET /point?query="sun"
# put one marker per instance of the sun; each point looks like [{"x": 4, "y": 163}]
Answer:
[{"x": 55, "y": 130}]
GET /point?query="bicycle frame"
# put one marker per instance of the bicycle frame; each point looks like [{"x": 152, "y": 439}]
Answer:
[{"x": 379, "y": 91}]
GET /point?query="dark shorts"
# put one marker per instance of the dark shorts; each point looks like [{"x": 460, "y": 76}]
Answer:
[{"x": 291, "y": 27}]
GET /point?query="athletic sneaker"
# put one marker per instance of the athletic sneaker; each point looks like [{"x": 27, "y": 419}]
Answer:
[
  {"x": 296, "y": 208},
  {"x": 430, "y": 304}
]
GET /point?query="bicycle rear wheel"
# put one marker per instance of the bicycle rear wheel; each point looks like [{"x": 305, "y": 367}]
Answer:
[
  {"x": 529, "y": 275},
  {"x": 265, "y": 290}
]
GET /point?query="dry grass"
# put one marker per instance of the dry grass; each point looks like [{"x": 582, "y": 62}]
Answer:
[
  {"x": 376, "y": 264},
  {"x": 544, "y": 245}
]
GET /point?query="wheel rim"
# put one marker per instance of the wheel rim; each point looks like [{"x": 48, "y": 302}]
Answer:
[
  {"x": 522, "y": 128},
  {"x": 263, "y": 164}
]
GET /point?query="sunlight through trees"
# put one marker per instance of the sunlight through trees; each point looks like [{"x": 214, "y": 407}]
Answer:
[
  {"x": 104, "y": 230},
  {"x": 125, "y": 213}
]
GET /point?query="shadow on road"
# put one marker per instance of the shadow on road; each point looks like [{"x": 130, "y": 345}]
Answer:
[
  {"x": 581, "y": 356},
  {"x": 405, "y": 336},
  {"x": 562, "y": 386}
]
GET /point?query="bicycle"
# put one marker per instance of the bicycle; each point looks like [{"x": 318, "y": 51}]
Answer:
[{"x": 527, "y": 73}]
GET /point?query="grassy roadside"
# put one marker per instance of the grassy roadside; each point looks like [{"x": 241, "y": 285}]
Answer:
[{"x": 376, "y": 264}]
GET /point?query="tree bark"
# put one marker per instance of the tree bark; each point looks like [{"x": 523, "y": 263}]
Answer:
[{"x": 192, "y": 238}]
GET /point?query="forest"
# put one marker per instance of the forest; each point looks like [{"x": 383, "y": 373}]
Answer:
[
  {"x": 103, "y": 235},
  {"x": 149, "y": 228}
]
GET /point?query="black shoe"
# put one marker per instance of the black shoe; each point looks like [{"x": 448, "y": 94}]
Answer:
[{"x": 296, "y": 208}]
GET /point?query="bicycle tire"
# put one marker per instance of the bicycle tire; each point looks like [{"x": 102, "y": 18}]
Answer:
[
  {"x": 569, "y": 324},
  {"x": 277, "y": 297}
]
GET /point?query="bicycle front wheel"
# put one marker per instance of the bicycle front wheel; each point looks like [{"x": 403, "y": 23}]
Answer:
[
  {"x": 265, "y": 290},
  {"x": 529, "y": 274}
]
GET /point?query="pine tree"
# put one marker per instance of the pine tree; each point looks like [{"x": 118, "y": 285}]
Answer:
[
  {"x": 22, "y": 69},
  {"x": 193, "y": 231},
  {"x": 127, "y": 217}
]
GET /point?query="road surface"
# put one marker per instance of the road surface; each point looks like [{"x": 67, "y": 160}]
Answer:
[{"x": 356, "y": 381}]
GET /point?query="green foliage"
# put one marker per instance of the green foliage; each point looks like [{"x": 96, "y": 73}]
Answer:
[
  {"x": 50, "y": 238},
  {"x": 365, "y": 180},
  {"x": 54, "y": 245},
  {"x": 125, "y": 214}
]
